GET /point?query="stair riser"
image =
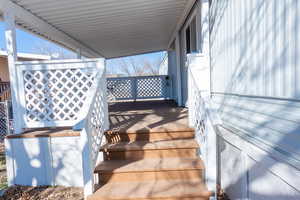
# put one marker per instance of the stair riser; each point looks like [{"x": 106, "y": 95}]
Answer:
[
  {"x": 150, "y": 176},
  {"x": 151, "y": 137},
  {"x": 140, "y": 154}
]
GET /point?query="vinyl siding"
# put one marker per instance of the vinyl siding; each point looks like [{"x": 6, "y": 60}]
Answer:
[{"x": 255, "y": 57}]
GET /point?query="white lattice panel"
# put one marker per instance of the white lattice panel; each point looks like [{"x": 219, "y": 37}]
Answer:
[
  {"x": 54, "y": 94},
  {"x": 121, "y": 88},
  {"x": 143, "y": 87},
  {"x": 152, "y": 87},
  {"x": 4, "y": 120},
  {"x": 94, "y": 122}
]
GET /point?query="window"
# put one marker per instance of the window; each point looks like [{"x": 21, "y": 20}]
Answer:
[{"x": 188, "y": 40}]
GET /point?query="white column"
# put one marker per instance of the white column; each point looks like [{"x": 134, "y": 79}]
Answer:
[
  {"x": 178, "y": 70},
  {"x": 10, "y": 37},
  {"x": 78, "y": 51}
]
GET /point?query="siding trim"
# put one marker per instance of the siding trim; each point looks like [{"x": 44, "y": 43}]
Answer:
[
  {"x": 288, "y": 173},
  {"x": 256, "y": 96},
  {"x": 272, "y": 151}
]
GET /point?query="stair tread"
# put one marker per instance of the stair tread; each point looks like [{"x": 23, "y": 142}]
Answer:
[
  {"x": 147, "y": 165},
  {"x": 151, "y": 189},
  {"x": 153, "y": 130},
  {"x": 155, "y": 145}
]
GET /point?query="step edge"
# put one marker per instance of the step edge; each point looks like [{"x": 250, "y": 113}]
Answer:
[
  {"x": 191, "y": 130},
  {"x": 149, "y": 170}
]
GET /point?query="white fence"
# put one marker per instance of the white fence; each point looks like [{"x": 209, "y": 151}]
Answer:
[
  {"x": 66, "y": 93},
  {"x": 204, "y": 120},
  {"x": 52, "y": 93},
  {"x": 93, "y": 125},
  {"x": 140, "y": 87},
  {"x": 4, "y": 120}
]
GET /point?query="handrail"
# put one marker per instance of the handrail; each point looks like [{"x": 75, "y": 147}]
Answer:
[
  {"x": 204, "y": 120},
  {"x": 93, "y": 123}
]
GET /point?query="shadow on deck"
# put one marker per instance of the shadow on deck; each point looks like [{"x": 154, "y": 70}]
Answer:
[{"x": 147, "y": 116}]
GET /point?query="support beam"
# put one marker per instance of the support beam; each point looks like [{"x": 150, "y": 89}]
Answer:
[
  {"x": 45, "y": 29},
  {"x": 11, "y": 46}
]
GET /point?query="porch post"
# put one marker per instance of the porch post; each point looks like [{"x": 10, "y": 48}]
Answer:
[
  {"x": 10, "y": 37},
  {"x": 178, "y": 70},
  {"x": 78, "y": 52}
]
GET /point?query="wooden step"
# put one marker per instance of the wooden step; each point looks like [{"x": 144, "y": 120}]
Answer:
[
  {"x": 115, "y": 137},
  {"x": 156, "y": 190},
  {"x": 150, "y": 169},
  {"x": 143, "y": 149}
]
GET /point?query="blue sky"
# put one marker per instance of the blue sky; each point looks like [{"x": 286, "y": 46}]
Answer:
[{"x": 28, "y": 43}]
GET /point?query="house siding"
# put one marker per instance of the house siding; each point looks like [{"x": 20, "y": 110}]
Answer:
[
  {"x": 254, "y": 69},
  {"x": 4, "y": 73}
]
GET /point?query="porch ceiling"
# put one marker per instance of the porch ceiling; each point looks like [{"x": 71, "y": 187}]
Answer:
[{"x": 113, "y": 28}]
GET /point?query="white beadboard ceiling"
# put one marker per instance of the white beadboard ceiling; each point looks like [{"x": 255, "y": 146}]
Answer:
[{"x": 112, "y": 28}]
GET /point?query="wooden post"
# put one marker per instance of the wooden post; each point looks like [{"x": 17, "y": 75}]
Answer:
[{"x": 10, "y": 37}]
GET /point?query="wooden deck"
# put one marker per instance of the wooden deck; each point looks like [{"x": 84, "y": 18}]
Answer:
[
  {"x": 147, "y": 116},
  {"x": 129, "y": 117}
]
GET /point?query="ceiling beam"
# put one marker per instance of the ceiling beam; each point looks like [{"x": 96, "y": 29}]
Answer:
[
  {"x": 187, "y": 9},
  {"x": 46, "y": 30}
]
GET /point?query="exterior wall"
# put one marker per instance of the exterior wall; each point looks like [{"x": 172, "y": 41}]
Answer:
[
  {"x": 4, "y": 73},
  {"x": 254, "y": 69},
  {"x": 44, "y": 161}
]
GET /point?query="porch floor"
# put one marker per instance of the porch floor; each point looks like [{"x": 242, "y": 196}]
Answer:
[
  {"x": 147, "y": 116},
  {"x": 129, "y": 117}
]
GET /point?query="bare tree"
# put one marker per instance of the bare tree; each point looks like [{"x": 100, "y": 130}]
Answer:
[
  {"x": 53, "y": 51},
  {"x": 131, "y": 66}
]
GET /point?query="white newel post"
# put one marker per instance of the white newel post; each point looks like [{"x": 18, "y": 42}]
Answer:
[{"x": 10, "y": 37}]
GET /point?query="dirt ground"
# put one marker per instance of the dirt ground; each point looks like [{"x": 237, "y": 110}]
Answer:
[
  {"x": 45, "y": 193},
  {"x": 3, "y": 183},
  {"x": 34, "y": 193}
]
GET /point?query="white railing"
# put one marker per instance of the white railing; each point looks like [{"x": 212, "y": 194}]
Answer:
[
  {"x": 204, "y": 120},
  {"x": 93, "y": 125},
  {"x": 52, "y": 93},
  {"x": 139, "y": 87}
]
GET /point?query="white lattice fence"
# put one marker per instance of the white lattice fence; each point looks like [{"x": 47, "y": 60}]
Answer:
[
  {"x": 140, "y": 87},
  {"x": 53, "y": 93},
  {"x": 204, "y": 120},
  {"x": 94, "y": 122},
  {"x": 4, "y": 120}
]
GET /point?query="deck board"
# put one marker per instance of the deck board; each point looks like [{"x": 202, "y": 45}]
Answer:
[
  {"x": 148, "y": 116},
  {"x": 129, "y": 117}
]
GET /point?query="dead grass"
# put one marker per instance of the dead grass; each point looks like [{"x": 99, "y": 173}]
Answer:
[
  {"x": 44, "y": 192},
  {"x": 3, "y": 179}
]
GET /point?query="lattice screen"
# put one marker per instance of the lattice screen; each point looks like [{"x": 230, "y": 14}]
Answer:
[
  {"x": 144, "y": 87},
  {"x": 121, "y": 88},
  {"x": 56, "y": 94},
  {"x": 151, "y": 87},
  {"x": 4, "y": 120}
]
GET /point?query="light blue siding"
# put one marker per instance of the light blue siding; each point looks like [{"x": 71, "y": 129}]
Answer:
[{"x": 255, "y": 55}]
